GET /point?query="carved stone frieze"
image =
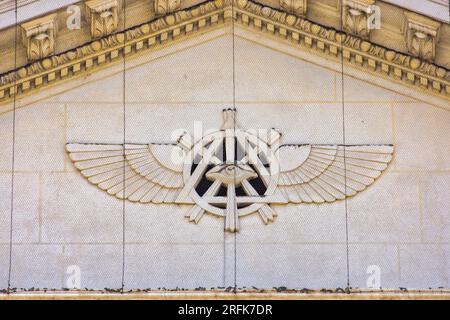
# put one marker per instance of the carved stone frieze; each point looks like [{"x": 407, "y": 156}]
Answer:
[
  {"x": 297, "y": 7},
  {"x": 163, "y": 7},
  {"x": 355, "y": 17},
  {"x": 254, "y": 162},
  {"x": 103, "y": 16},
  {"x": 421, "y": 36},
  {"x": 38, "y": 36},
  {"x": 294, "y": 30}
]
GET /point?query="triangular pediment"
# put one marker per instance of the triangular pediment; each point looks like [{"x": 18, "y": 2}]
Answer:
[{"x": 244, "y": 21}]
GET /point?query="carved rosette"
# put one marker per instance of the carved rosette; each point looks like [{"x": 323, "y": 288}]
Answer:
[
  {"x": 104, "y": 17},
  {"x": 297, "y": 7},
  {"x": 421, "y": 36},
  {"x": 38, "y": 36},
  {"x": 163, "y": 7},
  {"x": 355, "y": 16}
]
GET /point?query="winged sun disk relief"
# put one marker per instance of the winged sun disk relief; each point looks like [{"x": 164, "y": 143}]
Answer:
[{"x": 307, "y": 174}]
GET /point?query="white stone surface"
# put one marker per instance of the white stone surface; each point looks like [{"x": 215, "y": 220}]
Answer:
[
  {"x": 37, "y": 266},
  {"x": 26, "y": 221},
  {"x": 174, "y": 266},
  {"x": 330, "y": 64},
  {"x": 400, "y": 223},
  {"x": 39, "y": 138},
  {"x": 423, "y": 266},
  {"x": 311, "y": 266},
  {"x": 436, "y": 217},
  {"x": 147, "y": 223},
  {"x": 100, "y": 265},
  {"x": 360, "y": 91},
  {"x": 302, "y": 223},
  {"x": 368, "y": 123},
  {"x": 261, "y": 73},
  {"x": 200, "y": 73},
  {"x": 446, "y": 249},
  {"x": 230, "y": 258},
  {"x": 4, "y": 265},
  {"x": 6, "y": 142},
  {"x": 5, "y": 195},
  {"x": 168, "y": 119},
  {"x": 364, "y": 257},
  {"x": 26, "y": 211},
  {"x": 300, "y": 123},
  {"x": 74, "y": 211},
  {"x": 95, "y": 122},
  {"x": 421, "y": 134},
  {"x": 5, "y": 207},
  {"x": 387, "y": 212},
  {"x": 106, "y": 90}
]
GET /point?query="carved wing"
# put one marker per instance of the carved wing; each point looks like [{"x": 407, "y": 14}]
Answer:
[
  {"x": 139, "y": 173},
  {"x": 319, "y": 173}
]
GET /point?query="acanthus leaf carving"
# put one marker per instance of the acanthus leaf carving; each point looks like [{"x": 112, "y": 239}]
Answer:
[
  {"x": 374, "y": 58},
  {"x": 104, "y": 17},
  {"x": 355, "y": 17},
  {"x": 163, "y": 7},
  {"x": 297, "y": 7},
  {"x": 38, "y": 36},
  {"x": 421, "y": 36}
]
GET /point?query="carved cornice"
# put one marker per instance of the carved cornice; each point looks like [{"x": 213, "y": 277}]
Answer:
[{"x": 299, "y": 32}]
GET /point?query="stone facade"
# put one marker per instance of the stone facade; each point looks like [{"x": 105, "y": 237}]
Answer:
[
  {"x": 59, "y": 221},
  {"x": 399, "y": 224}
]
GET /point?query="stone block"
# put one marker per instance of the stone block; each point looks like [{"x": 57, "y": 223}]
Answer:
[
  {"x": 74, "y": 211},
  {"x": 421, "y": 135},
  {"x": 173, "y": 266},
  {"x": 37, "y": 266}
]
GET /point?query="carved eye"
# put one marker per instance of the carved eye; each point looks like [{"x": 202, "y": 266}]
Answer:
[{"x": 231, "y": 174}]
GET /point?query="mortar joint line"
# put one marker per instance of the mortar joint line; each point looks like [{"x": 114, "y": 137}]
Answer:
[{"x": 13, "y": 153}]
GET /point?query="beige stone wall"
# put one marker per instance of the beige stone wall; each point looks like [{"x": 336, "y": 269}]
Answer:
[{"x": 400, "y": 224}]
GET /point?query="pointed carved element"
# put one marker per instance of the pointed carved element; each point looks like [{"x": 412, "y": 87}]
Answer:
[
  {"x": 166, "y": 6},
  {"x": 421, "y": 36},
  {"x": 229, "y": 118},
  {"x": 355, "y": 17},
  {"x": 38, "y": 36},
  {"x": 297, "y": 7},
  {"x": 104, "y": 17}
]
